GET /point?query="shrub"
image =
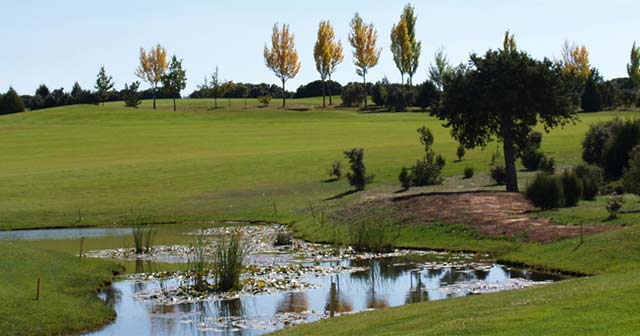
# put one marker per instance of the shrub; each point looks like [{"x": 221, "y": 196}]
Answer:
[
  {"x": 531, "y": 159},
  {"x": 530, "y": 153},
  {"x": 405, "y": 178},
  {"x": 426, "y": 95},
  {"x": 130, "y": 95},
  {"x": 615, "y": 154},
  {"x": 596, "y": 138},
  {"x": 545, "y": 192},
  {"x": 499, "y": 175},
  {"x": 427, "y": 171},
  {"x": 468, "y": 172},
  {"x": 283, "y": 238},
  {"x": 336, "y": 170},
  {"x": 357, "y": 177},
  {"x": 613, "y": 206},
  {"x": 572, "y": 187},
  {"x": 399, "y": 97},
  {"x": 631, "y": 177},
  {"x": 352, "y": 95},
  {"x": 460, "y": 152},
  {"x": 547, "y": 164},
  {"x": 591, "y": 178},
  {"x": 379, "y": 92},
  {"x": 264, "y": 100},
  {"x": 228, "y": 261}
]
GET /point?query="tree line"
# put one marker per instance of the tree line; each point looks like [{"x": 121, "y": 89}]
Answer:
[{"x": 167, "y": 77}]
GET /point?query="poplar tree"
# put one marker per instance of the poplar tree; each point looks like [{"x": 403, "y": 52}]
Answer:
[
  {"x": 152, "y": 67},
  {"x": 282, "y": 58},
  {"x": 633, "y": 68},
  {"x": 363, "y": 39},
  {"x": 406, "y": 49},
  {"x": 327, "y": 54}
]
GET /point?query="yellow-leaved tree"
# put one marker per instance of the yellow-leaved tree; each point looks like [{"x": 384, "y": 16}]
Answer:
[
  {"x": 404, "y": 46},
  {"x": 363, "y": 38},
  {"x": 328, "y": 54},
  {"x": 575, "y": 60},
  {"x": 282, "y": 58},
  {"x": 152, "y": 67}
]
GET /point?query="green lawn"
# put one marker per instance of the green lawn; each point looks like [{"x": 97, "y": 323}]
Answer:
[{"x": 117, "y": 165}]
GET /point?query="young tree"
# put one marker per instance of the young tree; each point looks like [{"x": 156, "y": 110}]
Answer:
[
  {"x": 404, "y": 46},
  {"x": 282, "y": 58},
  {"x": 633, "y": 68},
  {"x": 104, "y": 84},
  {"x": 363, "y": 39},
  {"x": 152, "y": 67},
  {"x": 130, "y": 95},
  {"x": 439, "y": 71},
  {"x": 175, "y": 79},
  {"x": 215, "y": 87},
  {"x": 328, "y": 54},
  {"x": 504, "y": 94}
]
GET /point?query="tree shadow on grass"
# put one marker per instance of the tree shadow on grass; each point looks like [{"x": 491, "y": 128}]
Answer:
[
  {"x": 330, "y": 180},
  {"x": 341, "y": 195}
]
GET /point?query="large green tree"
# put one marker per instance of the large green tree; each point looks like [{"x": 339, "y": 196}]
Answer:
[
  {"x": 503, "y": 95},
  {"x": 175, "y": 79}
]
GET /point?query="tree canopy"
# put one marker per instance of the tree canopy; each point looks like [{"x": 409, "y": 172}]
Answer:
[{"x": 503, "y": 95}]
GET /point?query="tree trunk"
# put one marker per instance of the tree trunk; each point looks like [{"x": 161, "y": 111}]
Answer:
[
  {"x": 324, "y": 89},
  {"x": 284, "y": 95},
  {"x": 174, "y": 104},
  {"x": 330, "y": 100},
  {"x": 364, "y": 87},
  {"x": 154, "y": 97},
  {"x": 245, "y": 102},
  {"x": 509, "y": 154},
  {"x": 215, "y": 102},
  {"x": 402, "y": 78}
]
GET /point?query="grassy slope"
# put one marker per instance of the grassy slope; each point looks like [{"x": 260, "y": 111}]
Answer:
[
  {"x": 115, "y": 164},
  {"x": 67, "y": 304},
  {"x": 111, "y": 163}
]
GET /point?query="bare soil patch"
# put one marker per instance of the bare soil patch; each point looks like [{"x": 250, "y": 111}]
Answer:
[{"x": 492, "y": 213}]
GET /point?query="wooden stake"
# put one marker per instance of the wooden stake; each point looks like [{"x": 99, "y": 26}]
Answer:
[
  {"x": 81, "y": 245},
  {"x": 38, "y": 291}
]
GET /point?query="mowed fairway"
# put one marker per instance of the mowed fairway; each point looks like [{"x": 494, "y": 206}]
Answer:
[{"x": 112, "y": 164}]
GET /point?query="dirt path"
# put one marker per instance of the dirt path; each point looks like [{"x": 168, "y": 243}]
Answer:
[{"x": 492, "y": 213}]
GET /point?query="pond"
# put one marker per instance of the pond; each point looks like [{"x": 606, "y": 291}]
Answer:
[{"x": 324, "y": 285}]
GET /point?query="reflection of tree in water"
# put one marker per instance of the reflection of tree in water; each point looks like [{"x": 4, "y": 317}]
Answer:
[
  {"x": 228, "y": 308},
  {"x": 111, "y": 296},
  {"x": 293, "y": 302},
  {"x": 336, "y": 303},
  {"x": 418, "y": 291},
  {"x": 375, "y": 277},
  {"x": 160, "y": 324}
]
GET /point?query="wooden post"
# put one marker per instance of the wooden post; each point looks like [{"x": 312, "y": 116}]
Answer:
[
  {"x": 581, "y": 235},
  {"x": 38, "y": 291},
  {"x": 81, "y": 245}
]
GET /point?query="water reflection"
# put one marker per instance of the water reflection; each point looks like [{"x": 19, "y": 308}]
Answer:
[{"x": 382, "y": 283}]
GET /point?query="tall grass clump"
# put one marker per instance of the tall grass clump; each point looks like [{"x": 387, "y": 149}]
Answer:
[
  {"x": 228, "y": 261},
  {"x": 377, "y": 236},
  {"x": 143, "y": 237},
  {"x": 199, "y": 263}
]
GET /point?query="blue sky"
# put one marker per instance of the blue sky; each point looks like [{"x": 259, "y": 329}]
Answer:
[{"x": 60, "y": 42}]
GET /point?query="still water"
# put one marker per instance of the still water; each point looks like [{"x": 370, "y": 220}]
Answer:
[{"x": 387, "y": 282}]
